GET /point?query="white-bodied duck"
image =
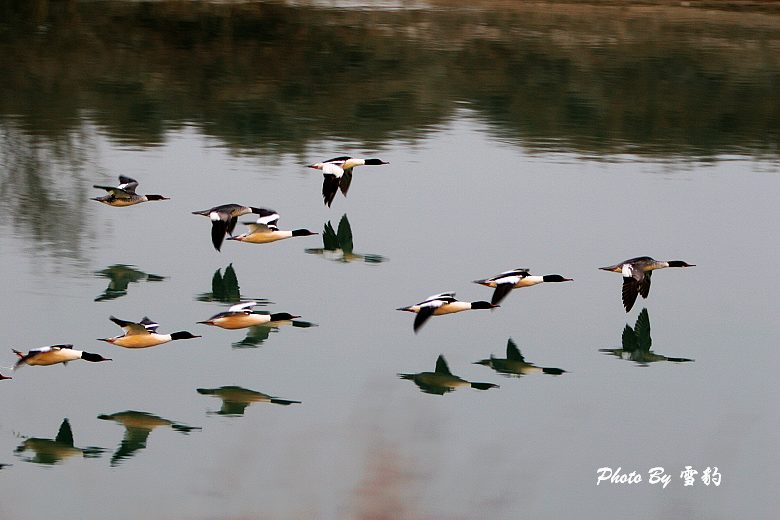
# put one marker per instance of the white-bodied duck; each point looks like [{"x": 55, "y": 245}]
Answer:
[
  {"x": 636, "y": 275},
  {"x": 516, "y": 278},
  {"x": 240, "y": 316},
  {"x": 124, "y": 194},
  {"x": 143, "y": 334},
  {"x": 265, "y": 230},
  {"x": 54, "y": 354},
  {"x": 337, "y": 174},
  {"x": 439, "y": 304}
]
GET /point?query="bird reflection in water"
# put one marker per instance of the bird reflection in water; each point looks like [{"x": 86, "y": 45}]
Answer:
[
  {"x": 337, "y": 245},
  {"x": 637, "y": 343},
  {"x": 138, "y": 426},
  {"x": 120, "y": 276},
  {"x": 515, "y": 364},
  {"x": 442, "y": 380},
  {"x": 235, "y": 399},
  {"x": 225, "y": 289},
  {"x": 257, "y": 335},
  {"x": 53, "y": 451}
]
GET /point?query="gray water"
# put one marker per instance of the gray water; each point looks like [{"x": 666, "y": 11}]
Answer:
[{"x": 558, "y": 138}]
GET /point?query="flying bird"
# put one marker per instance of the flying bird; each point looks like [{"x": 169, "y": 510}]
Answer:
[
  {"x": 224, "y": 219},
  {"x": 54, "y": 354},
  {"x": 240, "y": 316},
  {"x": 143, "y": 334},
  {"x": 124, "y": 194},
  {"x": 265, "y": 230},
  {"x": 439, "y": 304},
  {"x": 636, "y": 275},
  {"x": 503, "y": 283},
  {"x": 337, "y": 174}
]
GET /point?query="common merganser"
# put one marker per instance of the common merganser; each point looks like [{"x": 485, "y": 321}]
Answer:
[
  {"x": 240, "y": 316},
  {"x": 503, "y": 283},
  {"x": 265, "y": 230},
  {"x": 235, "y": 399},
  {"x": 143, "y": 334},
  {"x": 124, "y": 194},
  {"x": 636, "y": 275},
  {"x": 337, "y": 174},
  {"x": 444, "y": 303},
  {"x": 442, "y": 380},
  {"x": 224, "y": 218},
  {"x": 54, "y": 354},
  {"x": 636, "y": 344},
  {"x": 515, "y": 364}
]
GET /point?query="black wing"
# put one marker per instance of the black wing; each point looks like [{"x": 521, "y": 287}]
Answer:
[
  {"x": 330, "y": 185},
  {"x": 502, "y": 289},
  {"x": 630, "y": 292},
  {"x": 128, "y": 184},
  {"x": 644, "y": 284},
  {"x": 341, "y": 159},
  {"x": 345, "y": 181},
  {"x": 512, "y": 352},
  {"x": 231, "y": 225},
  {"x": 218, "y": 230},
  {"x": 422, "y": 316}
]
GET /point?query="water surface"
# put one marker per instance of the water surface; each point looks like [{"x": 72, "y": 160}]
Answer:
[{"x": 555, "y": 137}]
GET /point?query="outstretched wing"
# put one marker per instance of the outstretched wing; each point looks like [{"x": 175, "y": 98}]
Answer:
[
  {"x": 242, "y": 307},
  {"x": 422, "y": 316},
  {"x": 149, "y": 325},
  {"x": 345, "y": 181},
  {"x": 127, "y": 184},
  {"x": 630, "y": 292},
  {"x": 502, "y": 289},
  {"x": 130, "y": 328},
  {"x": 644, "y": 284},
  {"x": 330, "y": 185},
  {"x": 218, "y": 230}
]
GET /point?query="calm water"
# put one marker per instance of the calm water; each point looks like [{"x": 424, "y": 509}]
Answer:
[{"x": 555, "y": 138}]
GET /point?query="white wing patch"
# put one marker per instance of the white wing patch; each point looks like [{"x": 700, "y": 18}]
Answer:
[
  {"x": 242, "y": 307},
  {"x": 333, "y": 169}
]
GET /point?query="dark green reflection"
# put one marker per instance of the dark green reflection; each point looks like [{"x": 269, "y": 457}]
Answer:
[
  {"x": 337, "y": 245},
  {"x": 120, "y": 276},
  {"x": 442, "y": 380},
  {"x": 257, "y": 335},
  {"x": 225, "y": 289},
  {"x": 138, "y": 426},
  {"x": 637, "y": 343},
  {"x": 515, "y": 364},
  {"x": 53, "y": 451},
  {"x": 235, "y": 399},
  {"x": 260, "y": 76}
]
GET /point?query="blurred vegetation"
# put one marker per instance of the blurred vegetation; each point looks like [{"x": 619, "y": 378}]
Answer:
[{"x": 271, "y": 77}]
